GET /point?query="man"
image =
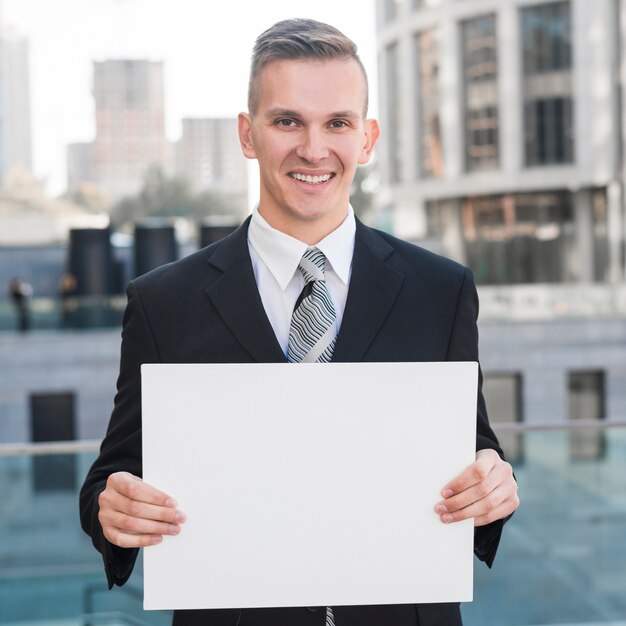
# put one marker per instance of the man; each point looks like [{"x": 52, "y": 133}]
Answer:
[{"x": 249, "y": 298}]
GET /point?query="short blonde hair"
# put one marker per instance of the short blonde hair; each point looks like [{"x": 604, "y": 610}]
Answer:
[{"x": 299, "y": 39}]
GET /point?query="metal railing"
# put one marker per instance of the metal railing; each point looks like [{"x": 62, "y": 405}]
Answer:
[
  {"x": 93, "y": 445},
  {"x": 573, "y": 425},
  {"x": 74, "y": 313}
]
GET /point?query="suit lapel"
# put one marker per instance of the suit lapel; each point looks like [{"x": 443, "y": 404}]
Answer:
[
  {"x": 236, "y": 298},
  {"x": 374, "y": 287}
]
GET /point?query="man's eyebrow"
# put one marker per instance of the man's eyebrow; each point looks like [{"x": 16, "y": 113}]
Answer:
[
  {"x": 279, "y": 111},
  {"x": 348, "y": 114}
]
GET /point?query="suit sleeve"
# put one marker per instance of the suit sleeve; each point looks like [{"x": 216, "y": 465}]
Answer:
[
  {"x": 464, "y": 347},
  {"x": 121, "y": 447}
]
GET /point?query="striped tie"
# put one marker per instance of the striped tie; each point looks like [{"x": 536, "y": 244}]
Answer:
[{"x": 312, "y": 333}]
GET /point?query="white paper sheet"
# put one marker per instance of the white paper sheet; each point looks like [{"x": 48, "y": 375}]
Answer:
[{"x": 308, "y": 485}]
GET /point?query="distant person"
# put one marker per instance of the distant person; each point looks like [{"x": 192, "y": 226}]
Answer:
[
  {"x": 302, "y": 280},
  {"x": 67, "y": 298},
  {"x": 21, "y": 292}
]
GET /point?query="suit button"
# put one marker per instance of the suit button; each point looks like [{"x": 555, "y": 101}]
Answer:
[{"x": 314, "y": 609}]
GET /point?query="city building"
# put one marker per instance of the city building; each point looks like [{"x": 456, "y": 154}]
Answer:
[
  {"x": 15, "y": 113},
  {"x": 209, "y": 155},
  {"x": 130, "y": 128},
  {"x": 505, "y": 130},
  {"x": 79, "y": 161}
]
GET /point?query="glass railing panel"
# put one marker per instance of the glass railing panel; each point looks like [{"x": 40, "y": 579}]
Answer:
[
  {"x": 77, "y": 313},
  {"x": 562, "y": 559},
  {"x": 48, "y": 568}
]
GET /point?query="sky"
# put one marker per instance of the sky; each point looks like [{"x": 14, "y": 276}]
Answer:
[{"x": 205, "y": 45}]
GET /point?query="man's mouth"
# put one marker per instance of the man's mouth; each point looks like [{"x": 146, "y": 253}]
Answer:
[{"x": 313, "y": 180}]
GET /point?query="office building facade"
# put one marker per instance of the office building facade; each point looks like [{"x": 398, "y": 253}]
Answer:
[
  {"x": 505, "y": 134},
  {"x": 504, "y": 129}
]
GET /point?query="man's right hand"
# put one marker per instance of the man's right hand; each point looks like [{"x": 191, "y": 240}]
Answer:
[{"x": 134, "y": 514}]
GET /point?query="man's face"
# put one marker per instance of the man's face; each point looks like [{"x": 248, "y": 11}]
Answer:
[{"x": 308, "y": 134}]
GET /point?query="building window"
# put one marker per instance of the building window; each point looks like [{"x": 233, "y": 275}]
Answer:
[
  {"x": 520, "y": 238},
  {"x": 480, "y": 93},
  {"x": 586, "y": 402},
  {"x": 548, "y": 138},
  {"x": 53, "y": 419},
  {"x": 503, "y": 397},
  {"x": 390, "y": 9},
  {"x": 430, "y": 157},
  {"x": 393, "y": 113},
  {"x": 599, "y": 212},
  {"x": 546, "y": 37},
  {"x": 548, "y": 100}
]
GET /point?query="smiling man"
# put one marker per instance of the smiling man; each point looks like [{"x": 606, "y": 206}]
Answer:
[
  {"x": 301, "y": 281},
  {"x": 307, "y": 129}
]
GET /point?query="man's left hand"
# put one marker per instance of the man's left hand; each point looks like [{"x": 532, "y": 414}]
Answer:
[{"x": 486, "y": 491}]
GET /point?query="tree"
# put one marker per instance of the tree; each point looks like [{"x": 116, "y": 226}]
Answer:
[
  {"x": 363, "y": 191},
  {"x": 163, "y": 196}
]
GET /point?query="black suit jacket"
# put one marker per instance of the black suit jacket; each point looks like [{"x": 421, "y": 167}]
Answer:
[{"x": 404, "y": 304}]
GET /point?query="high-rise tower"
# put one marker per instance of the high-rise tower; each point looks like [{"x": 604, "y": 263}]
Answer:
[
  {"x": 130, "y": 124},
  {"x": 15, "y": 115}
]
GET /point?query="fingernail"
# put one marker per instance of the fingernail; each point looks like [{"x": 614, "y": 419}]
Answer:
[
  {"x": 441, "y": 508},
  {"x": 174, "y": 529},
  {"x": 171, "y": 503},
  {"x": 156, "y": 539},
  {"x": 447, "y": 518},
  {"x": 180, "y": 517},
  {"x": 446, "y": 493}
]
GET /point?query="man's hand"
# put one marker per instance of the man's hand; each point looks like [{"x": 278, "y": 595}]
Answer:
[
  {"x": 133, "y": 514},
  {"x": 486, "y": 491}
]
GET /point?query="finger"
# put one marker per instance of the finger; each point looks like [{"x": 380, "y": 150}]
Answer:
[
  {"x": 112, "y": 503},
  {"x": 129, "y": 524},
  {"x": 138, "y": 509},
  {"x": 128, "y": 540},
  {"x": 135, "y": 489},
  {"x": 475, "y": 473},
  {"x": 469, "y": 496},
  {"x": 480, "y": 508},
  {"x": 501, "y": 474},
  {"x": 504, "y": 510}
]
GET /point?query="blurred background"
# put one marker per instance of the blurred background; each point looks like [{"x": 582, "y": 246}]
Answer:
[{"x": 504, "y": 133}]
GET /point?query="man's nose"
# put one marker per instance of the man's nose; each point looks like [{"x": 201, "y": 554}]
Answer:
[{"x": 313, "y": 147}]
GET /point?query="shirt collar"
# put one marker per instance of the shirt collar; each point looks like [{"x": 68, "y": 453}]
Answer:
[{"x": 282, "y": 253}]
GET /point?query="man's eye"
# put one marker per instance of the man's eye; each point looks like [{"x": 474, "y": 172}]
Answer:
[
  {"x": 286, "y": 122},
  {"x": 338, "y": 124}
]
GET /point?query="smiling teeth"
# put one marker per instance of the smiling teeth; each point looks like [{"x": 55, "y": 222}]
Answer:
[{"x": 311, "y": 179}]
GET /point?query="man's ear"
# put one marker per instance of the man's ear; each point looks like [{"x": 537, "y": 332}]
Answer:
[
  {"x": 372, "y": 132},
  {"x": 244, "y": 127}
]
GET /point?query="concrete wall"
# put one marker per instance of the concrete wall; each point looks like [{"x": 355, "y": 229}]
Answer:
[
  {"x": 543, "y": 352},
  {"x": 84, "y": 363}
]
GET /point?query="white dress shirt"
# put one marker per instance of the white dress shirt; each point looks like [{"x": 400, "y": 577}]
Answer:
[{"x": 275, "y": 258}]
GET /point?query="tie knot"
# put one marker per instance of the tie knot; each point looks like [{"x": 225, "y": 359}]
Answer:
[{"x": 312, "y": 265}]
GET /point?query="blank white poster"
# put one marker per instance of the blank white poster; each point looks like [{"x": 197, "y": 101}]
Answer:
[{"x": 308, "y": 484}]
